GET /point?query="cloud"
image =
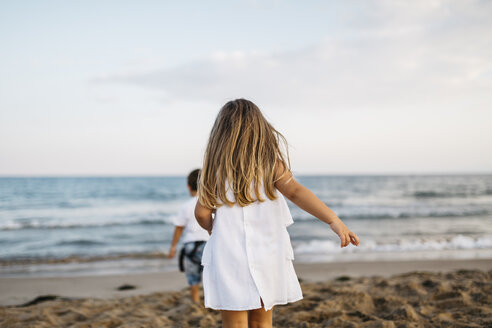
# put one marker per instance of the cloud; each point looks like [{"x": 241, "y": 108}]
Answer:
[{"x": 394, "y": 54}]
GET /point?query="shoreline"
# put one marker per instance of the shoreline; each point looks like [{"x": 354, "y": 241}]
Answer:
[{"x": 20, "y": 290}]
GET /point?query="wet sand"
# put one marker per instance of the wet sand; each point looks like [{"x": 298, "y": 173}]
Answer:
[{"x": 363, "y": 294}]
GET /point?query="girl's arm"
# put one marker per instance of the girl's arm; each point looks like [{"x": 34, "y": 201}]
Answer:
[
  {"x": 305, "y": 199},
  {"x": 203, "y": 216}
]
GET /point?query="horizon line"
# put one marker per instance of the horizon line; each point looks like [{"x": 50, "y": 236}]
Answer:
[{"x": 163, "y": 175}]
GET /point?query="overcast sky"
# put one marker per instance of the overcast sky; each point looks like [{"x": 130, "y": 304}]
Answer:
[{"x": 356, "y": 87}]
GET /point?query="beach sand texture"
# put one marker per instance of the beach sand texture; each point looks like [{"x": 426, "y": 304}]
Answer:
[{"x": 461, "y": 298}]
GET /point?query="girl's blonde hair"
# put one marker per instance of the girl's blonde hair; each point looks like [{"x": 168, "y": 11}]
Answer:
[{"x": 244, "y": 150}]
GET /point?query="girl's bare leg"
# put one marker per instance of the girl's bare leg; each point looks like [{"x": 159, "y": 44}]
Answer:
[
  {"x": 234, "y": 319},
  {"x": 259, "y": 318}
]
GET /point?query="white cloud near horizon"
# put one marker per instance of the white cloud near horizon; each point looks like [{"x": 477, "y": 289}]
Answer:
[{"x": 424, "y": 54}]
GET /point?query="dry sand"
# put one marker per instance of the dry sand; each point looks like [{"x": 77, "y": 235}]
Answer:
[{"x": 433, "y": 295}]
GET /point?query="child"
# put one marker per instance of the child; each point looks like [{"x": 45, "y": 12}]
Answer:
[
  {"x": 194, "y": 239},
  {"x": 248, "y": 259}
]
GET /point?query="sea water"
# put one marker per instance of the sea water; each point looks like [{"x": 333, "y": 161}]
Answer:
[{"x": 126, "y": 220}]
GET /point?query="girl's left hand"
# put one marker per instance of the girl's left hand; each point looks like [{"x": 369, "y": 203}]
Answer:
[{"x": 346, "y": 236}]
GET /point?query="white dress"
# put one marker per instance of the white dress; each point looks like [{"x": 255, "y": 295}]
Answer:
[{"x": 249, "y": 255}]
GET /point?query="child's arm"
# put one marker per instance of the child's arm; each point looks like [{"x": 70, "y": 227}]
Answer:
[
  {"x": 203, "y": 216},
  {"x": 305, "y": 199},
  {"x": 177, "y": 234}
]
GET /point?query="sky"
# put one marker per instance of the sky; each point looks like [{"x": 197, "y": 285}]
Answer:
[{"x": 356, "y": 87}]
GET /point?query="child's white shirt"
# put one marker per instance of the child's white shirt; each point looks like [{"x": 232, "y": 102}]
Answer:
[{"x": 186, "y": 218}]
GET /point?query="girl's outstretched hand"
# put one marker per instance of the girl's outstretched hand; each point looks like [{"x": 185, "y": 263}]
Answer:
[
  {"x": 346, "y": 236},
  {"x": 305, "y": 199}
]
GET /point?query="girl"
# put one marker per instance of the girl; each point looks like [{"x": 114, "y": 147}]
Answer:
[{"x": 248, "y": 259}]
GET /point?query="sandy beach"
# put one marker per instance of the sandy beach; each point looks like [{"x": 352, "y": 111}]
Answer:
[{"x": 362, "y": 294}]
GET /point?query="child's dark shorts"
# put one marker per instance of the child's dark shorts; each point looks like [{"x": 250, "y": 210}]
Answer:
[{"x": 193, "y": 269}]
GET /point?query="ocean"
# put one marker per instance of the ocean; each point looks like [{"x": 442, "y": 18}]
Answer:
[{"x": 109, "y": 225}]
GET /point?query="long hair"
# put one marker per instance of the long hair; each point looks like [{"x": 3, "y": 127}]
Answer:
[{"x": 243, "y": 150}]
